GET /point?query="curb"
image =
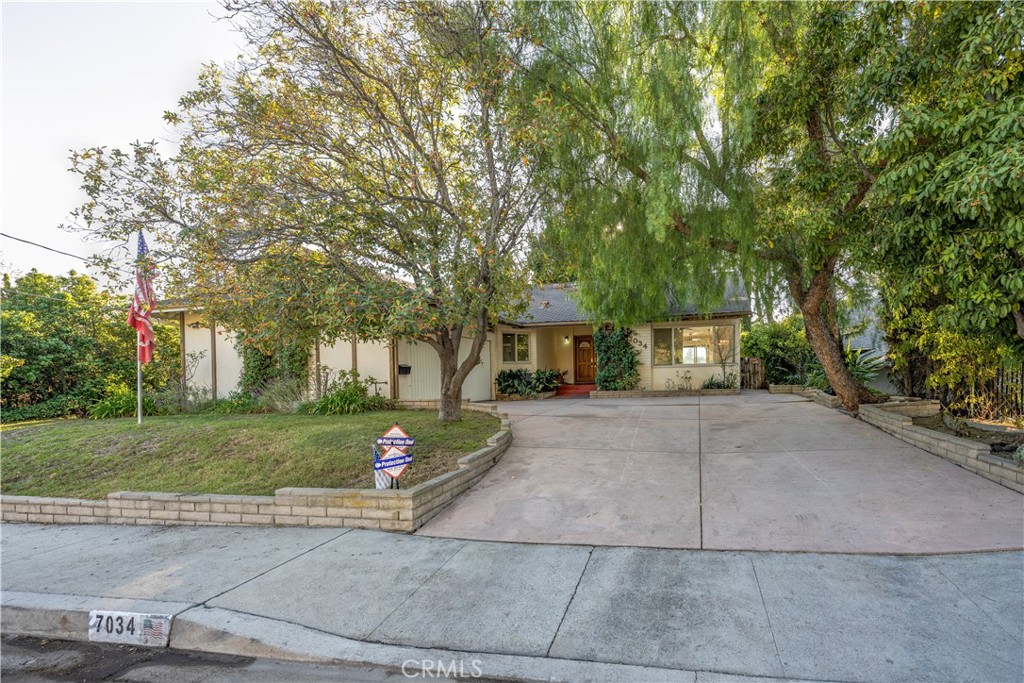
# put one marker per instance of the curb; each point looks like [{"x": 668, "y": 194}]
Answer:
[
  {"x": 198, "y": 628},
  {"x": 66, "y": 617}
]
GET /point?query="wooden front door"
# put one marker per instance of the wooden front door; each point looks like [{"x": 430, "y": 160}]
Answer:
[{"x": 586, "y": 361}]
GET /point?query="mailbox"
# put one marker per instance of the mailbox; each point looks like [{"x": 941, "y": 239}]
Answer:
[{"x": 404, "y": 369}]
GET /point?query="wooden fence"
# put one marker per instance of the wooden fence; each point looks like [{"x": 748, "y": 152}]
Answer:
[
  {"x": 999, "y": 398},
  {"x": 751, "y": 373}
]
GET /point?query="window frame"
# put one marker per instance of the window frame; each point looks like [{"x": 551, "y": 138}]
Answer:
[
  {"x": 713, "y": 328},
  {"x": 515, "y": 348}
]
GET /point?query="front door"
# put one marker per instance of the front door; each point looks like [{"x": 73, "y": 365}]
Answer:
[{"x": 585, "y": 360}]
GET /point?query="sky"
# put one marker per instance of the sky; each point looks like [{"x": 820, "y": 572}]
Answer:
[{"x": 81, "y": 74}]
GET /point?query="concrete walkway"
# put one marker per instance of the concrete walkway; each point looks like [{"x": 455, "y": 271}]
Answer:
[
  {"x": 537, "y": 612},
  {"x": 754, "y": 471}
]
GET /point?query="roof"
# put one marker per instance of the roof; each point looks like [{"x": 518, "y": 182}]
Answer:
[
  {"x": 174, "y": 306},
  {"x": 555, "y": 304}
]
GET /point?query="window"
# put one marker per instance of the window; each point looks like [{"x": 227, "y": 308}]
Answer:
[
  {"x": 694, "y": 345},
  {"x": 515, "y": 348}
]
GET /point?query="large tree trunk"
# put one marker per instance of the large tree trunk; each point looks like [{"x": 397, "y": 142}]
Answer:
[
  {"x": 449, "y": 407},
  {"x": 851, "y": 392},
  {"x": 813, "y": 305},
  {"x": 453, "y": 373}
]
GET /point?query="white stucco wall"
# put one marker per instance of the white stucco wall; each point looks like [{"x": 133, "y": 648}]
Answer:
[
  {"x": 373, "y": 359},
  {"x": 337, "y": 357},
  {"x": 644, "y": 346},
  {"x": 229, "y": 361}
]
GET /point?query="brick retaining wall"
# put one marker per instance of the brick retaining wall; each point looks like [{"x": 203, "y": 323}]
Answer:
[
  {"x": 659, "y": 393},
  {"x": 821, "y": 398},
  {"x": 388, "y": 509},
  {"x": 896, "y": 419}
]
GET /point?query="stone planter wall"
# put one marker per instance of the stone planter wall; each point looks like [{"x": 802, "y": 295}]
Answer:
[
  {"x": 896, "y": 419},
  {"x": 784, "y": 388},
  {"x": 658, "y": 393},
  {"x": 821, "y": 398},
  {"x": 517, "y": 397},
  {"x": 432, "y": 404},
  {"x": 388, "y": 509}
]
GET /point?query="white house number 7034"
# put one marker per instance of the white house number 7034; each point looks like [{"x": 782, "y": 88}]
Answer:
[
  {"x": 133, "y": 628},
  {"x": 112, "y": 624}
]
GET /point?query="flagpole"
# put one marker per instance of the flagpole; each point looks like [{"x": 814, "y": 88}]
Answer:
[{"x": 138, "y": 375}]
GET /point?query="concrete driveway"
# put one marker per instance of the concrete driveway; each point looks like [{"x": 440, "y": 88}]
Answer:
[{"x": 749, "y": 472}]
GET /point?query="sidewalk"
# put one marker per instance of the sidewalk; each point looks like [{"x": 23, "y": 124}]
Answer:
[{"x": 537, "y": 612}]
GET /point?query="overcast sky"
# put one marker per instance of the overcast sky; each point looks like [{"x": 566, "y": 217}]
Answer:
[{"x": 79, "y": 74}]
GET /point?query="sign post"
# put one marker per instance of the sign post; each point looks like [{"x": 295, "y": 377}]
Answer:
[{"x": 391, "y": 457}]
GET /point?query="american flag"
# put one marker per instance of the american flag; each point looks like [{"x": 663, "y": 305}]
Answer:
[
  {"x": 143, "y": 303},
  {"x": 152, "y": 628}
]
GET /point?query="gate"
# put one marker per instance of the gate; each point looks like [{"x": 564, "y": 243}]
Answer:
[{"x": 751, "y": 373}]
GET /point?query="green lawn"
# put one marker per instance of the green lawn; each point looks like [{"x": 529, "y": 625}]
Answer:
[{"x": 237, "y": 454}]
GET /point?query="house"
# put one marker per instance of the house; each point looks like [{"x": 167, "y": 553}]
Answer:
[{"x": 553, "y": 333}]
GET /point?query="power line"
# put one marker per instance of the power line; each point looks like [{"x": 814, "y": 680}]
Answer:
[{"x": 43, "y": 246}]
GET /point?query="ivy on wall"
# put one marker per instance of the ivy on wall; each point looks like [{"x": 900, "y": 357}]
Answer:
[
  {"x": 618, "y": 359},
  {"x": 289, "y": 362}
]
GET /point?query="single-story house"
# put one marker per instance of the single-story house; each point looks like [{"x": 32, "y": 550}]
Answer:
[{"x": 553, "y": 333}]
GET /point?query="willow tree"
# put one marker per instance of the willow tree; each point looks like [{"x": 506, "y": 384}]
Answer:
[
  {"x": 691, "y": 140},
  {"x": 357, "y": 172}
]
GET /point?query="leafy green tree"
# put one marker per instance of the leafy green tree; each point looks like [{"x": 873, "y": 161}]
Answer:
[
  {"x": 688, "y": 140},
  {"x": 949, "y": 228},
  {"x": 782, "y": 348},
  {"x": 358, "y": 173},
  {"x": 67, "y": 338}
]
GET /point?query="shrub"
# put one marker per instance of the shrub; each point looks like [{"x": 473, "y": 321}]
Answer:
[
  {"x": 283, "y": 395},
  {"x": 265, "y": 369},
  {"x": 682, "y": 382},
  {"x": 546, "y": 380},
  {"x": 863, "y": 365},
  {"x": 517, "y": 382},
  {"x": 58, "y": 406},
  {"x": 782, "y": 348},
  {"x": 237, "y": 403},
  {"x": 618, "y": 359},
  {"x": 348, "y": 395},
  {"x": 715, "y": 382},
  {"x": 120, "y": 401}
]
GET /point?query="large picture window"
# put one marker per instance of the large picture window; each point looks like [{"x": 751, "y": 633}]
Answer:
[
  {"x": 694, "y": 345},
  {"x": 515, "y": 348}
]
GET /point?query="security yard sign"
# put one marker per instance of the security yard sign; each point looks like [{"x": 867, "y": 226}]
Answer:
[
  {"x": 391, "y": 455},
  {"x": 396, "y": 436},
  {"x": 132, "y": 628}
]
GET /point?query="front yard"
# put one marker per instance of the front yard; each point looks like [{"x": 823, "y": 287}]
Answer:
[{"x": 229, "y": 454}]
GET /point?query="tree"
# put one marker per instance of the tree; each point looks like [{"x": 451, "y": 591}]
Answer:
[
  {"x": 687, "y": 140},
  {"x": 782, "y": 348},
  {"x": 950, "y": 200},
  {"x": 358, "y": 173},
  {"x": 64, "y": 340}
]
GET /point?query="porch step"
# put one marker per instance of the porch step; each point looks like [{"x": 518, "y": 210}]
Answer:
[{"x": 575, "y": 389}]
